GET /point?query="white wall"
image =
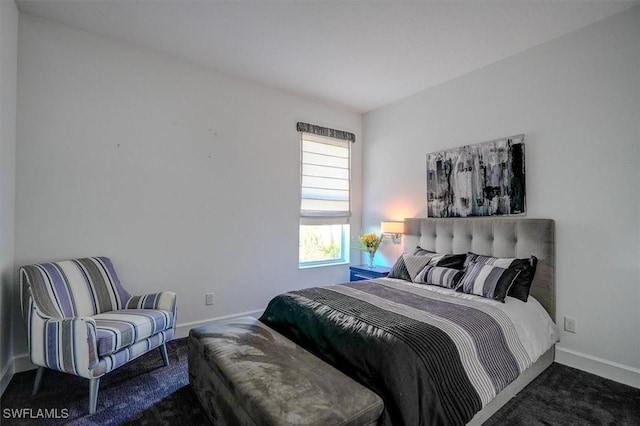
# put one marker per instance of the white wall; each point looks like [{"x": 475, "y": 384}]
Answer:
[
  {"x": 187, "y": 178},
  {"x": 8, "y": 67},
  {"x": 169, "y": 168},
  {"x": 577, "y": 100}
]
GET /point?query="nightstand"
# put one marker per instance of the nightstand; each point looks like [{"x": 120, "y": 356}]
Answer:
[{"x": 363, "y": 272}]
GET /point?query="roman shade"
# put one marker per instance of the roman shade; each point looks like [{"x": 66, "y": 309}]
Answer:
[{"x": 325, "y": 180}]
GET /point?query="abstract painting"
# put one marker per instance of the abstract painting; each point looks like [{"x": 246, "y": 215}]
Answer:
[{"x": 484, "y": 179}]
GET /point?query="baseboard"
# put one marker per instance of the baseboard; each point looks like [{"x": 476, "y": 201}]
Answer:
[
  {"x": 600, "y": 367},
  {"x": 182, "y": 330},
  {"x": 22, "y": 363},
  {"x": 6, "y": 376}
]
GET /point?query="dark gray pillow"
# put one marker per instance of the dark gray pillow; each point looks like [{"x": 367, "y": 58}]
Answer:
[{"x": 399, "y": 269}]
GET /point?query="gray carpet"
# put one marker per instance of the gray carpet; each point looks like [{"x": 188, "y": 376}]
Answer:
[
  {"x": 144, "y": 392},
  {"x": 565, "y": 396}
]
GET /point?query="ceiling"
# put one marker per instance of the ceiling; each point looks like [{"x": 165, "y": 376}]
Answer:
[{"x": 359, "y": 55}]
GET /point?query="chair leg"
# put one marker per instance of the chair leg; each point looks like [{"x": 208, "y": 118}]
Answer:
[
  {"x": 165, "y": 356},
  {"x": 94, "y": 385},
  {"x": 38, "y": 381}
]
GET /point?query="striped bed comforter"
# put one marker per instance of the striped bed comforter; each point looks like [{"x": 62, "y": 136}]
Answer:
[{"x": 434, "y": 359}]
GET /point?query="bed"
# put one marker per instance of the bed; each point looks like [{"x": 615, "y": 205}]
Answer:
[{"x": 435, "y": 355}]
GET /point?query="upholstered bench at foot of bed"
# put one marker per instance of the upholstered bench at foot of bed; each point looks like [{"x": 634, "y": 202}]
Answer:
[{"x": 243, "y": 372}]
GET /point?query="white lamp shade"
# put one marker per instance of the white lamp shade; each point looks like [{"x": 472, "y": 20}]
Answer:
[{"x": 392, "y": 227}]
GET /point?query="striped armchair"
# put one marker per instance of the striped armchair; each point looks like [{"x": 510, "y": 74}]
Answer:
[{"x": 80, "y": 320}]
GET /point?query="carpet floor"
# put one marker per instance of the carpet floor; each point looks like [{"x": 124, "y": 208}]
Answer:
[{"x": 144, "y": 392}]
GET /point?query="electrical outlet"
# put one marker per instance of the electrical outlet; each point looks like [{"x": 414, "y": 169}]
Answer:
[
  {"x": 570, "y": 324},
  {"x": 209, "y": 299}
]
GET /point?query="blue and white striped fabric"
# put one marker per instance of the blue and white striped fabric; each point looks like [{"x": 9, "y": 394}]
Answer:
[
  {"x": 75, "y": 288},
  {"x": 118, "y": 329},
  {"x": 80, "y": 319}
]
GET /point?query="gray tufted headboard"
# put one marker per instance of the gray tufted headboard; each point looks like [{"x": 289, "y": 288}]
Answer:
[{"x": 493, "y": 237}]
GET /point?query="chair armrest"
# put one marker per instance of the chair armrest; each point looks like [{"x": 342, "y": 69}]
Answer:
[
  {"x": 165, "y": 300},
  {"x": 74, "y": 335}
]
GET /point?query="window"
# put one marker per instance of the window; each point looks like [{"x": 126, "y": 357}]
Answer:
[{"x": 325, "y": 172}]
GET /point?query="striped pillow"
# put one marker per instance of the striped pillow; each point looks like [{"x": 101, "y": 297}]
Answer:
[
  {"x": 399, "y": 269},
  {"x": 492, "y": 282},
  {"x": 416, "y": 263},
  {"x": 527, "y": 266},
  {"x": 440, "y": 276}
]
